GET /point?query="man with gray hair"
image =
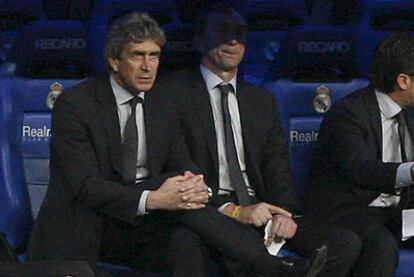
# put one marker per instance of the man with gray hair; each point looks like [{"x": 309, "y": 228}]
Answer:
[
  {"x": 122, "y": 183},
  {"x": 114, "y": 168}
]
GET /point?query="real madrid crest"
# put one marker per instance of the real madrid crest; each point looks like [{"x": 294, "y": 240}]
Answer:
[
  {"x": 322, "y": 101},
  {"x": 55, "y": 91}
]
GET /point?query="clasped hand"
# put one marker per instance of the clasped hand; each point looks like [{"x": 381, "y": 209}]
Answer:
[
  {"x": 186, "y": 192},
  {"x": 259, "y": 214}
]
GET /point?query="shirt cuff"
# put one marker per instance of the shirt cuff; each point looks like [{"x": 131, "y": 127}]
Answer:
[
  {"x": 403, "y": 178},
  {"x": 142, "y": 203},
  {"x": 222, "y": 207}
]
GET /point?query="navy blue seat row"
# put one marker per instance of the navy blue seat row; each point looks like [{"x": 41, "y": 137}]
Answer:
[
  {"x": 270, "y": 22},
  {"x": 14, "y": 15},
  {"x": 381, "y": 17},
  {"x": 44, "y": 51}
]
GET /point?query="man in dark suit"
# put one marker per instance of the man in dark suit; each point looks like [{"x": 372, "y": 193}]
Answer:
[
  {"x": 118, "y": 192},
  {"x": 93, "y": 203},
  {"x": 360, "y": 175},
  {"x": 234, "y": 135}
]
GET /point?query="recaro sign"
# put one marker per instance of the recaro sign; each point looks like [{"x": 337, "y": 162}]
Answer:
[
  {"x": 57, "y": 43},
  {"x": 324, "y": 47}
]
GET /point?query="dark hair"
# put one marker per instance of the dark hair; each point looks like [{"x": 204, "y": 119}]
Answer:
[
  {"x": 395, "y": 55},
  {"x": 227, "y": 16},
  {"x": 133, "y": 27}
]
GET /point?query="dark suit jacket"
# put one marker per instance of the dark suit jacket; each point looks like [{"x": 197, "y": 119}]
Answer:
[
  {"x": 266, "y": 155},
  {"x": 347, "y": 171},
  {"x": 86, "y": 181}
]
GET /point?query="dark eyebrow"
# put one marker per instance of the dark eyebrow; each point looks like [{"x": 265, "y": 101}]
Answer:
[
  {"x": 143, "y": 53},
  {"x": 155, "y": 53}
]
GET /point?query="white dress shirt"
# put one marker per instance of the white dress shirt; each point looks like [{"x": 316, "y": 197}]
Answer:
[
  {"x": 391, "y": 151},
  {"x": 122, "y": 98},
  {"x": 212, "y": 81}
]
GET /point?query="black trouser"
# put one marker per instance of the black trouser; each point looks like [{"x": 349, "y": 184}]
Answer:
[
  {"x": 343, "y": 245},
  {"x": 379, "y": 230},
  {"x": 191, "y": 235},
  {"x": 244, "y": 243},
  {"x": 181, "y": 243},
  {"x": 144, "y": 246}
]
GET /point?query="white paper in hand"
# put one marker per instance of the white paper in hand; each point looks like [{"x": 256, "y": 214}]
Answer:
[
  {"x": 273, "y": 247},
  {"x": 407, "y": 224}
]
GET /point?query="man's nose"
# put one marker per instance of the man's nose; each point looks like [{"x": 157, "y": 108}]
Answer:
[
  {"x": 233, "y": 41},
  {"x": 145, "y": 64}
]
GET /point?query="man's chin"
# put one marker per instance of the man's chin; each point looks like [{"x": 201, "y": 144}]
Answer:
[
  {"x": 144, "y": 87},
  {"x": 229, "y": 68}
]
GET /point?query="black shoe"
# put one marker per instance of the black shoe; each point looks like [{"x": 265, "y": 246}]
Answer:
[
  {"x": 311, "y": 267},
  {"x": 317, "y": 261}
]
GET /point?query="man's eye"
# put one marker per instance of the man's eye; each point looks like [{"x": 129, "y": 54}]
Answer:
[{"x": 137, "y": 57}]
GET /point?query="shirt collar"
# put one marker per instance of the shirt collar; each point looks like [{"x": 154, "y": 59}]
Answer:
[
  {"x": 122, "y": 96},
  {"x": 212, "y": 80},
  {"x": 388, "y": 107}
]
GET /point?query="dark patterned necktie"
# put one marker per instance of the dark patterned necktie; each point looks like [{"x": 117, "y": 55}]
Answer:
[
  {"x": 130, "y": 144},
  {"x": 401, "y": 134},
  {"x": 405, "y": 192},
  {"x": 236, "y": 176}
]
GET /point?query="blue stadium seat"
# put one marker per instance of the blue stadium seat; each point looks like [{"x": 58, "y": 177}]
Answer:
[
  {"x": 345, "y": 13},
  {"x": 49, "y": 55},
  {"x": 25, "y": 121},
  {"x": 15, "y": 212},
  {"x": 313, "y": 53},
  {"x": 316, "y": 65},
  {"x": 14, "y": 15},
  {"x": 179, "y": 51},
  {"x": 52, "y": 49},
  {"x": 406, "y": 265},
  {"x": 268, "y": 22},
  {"x": 379, "y": 20},
  {"x": 79, "y": 10},
  {"x": 302, "y": 106},
  {"x": 106, "y": 11},
  {"x": 47, "y": 52}
]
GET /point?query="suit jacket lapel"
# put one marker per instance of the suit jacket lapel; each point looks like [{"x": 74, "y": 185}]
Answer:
[
  {"x": 247, "y": 120},
  {"x": 409, "y": 116},
  {"x": 153, "y": 123},
  {"x": 374, "y": 112},
  {"x": 201, "y": 98},
  {"x": 107, "y": 110}
]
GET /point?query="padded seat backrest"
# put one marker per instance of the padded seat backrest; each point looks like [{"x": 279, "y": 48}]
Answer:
[
  {"x": 379, "y": 20},
  {"x": 36, "y": 98},
  {"x": 318, "y": 66},
  {"x": 52, "y": 56},
  {"x": 179, "y": 51},
  {"x": 268, "y": 22},
  {"x": 14, "y": 15},
  {"x": 15, "y": 212},
  {"x": 52, "y": 49},
  {"x": 302, "y": 106},
  {"x": 313, "y": 53}
]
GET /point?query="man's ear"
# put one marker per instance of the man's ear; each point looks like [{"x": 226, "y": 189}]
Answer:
[{"x": 114, "y": 63}]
